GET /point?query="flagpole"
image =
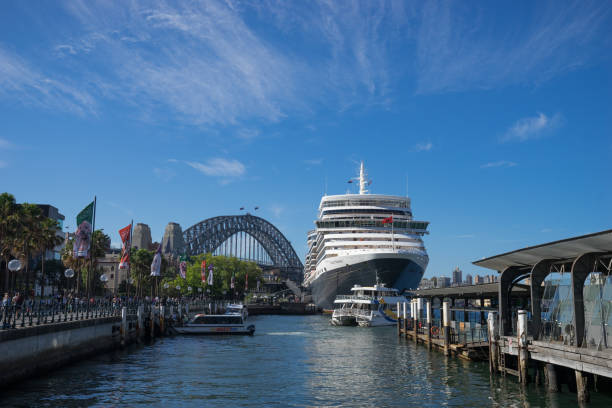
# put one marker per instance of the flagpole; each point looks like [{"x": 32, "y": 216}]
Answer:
[
  {"x": 91, "y": 253},
  {"x": 129, "y": 250}
]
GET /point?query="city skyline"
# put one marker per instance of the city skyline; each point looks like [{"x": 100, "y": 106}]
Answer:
[{"x": 497, "y": 128}]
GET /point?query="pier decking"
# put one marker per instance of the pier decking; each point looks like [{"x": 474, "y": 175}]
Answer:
[{"x": 556, "y": 329}]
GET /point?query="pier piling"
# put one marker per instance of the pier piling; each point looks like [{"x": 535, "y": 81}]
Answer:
[
  {"x": 446, "y": 326},
  {"x": 523, "y": 354},
  {"x": 582, "y": 386},
  {"x": 124, "y": 328}
]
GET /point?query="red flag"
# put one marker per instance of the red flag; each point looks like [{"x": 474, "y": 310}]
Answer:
[
  {"x": 203, "y": 271},
  {"x": 387, "y": 220},
  {"x": 124, "y": 233}
]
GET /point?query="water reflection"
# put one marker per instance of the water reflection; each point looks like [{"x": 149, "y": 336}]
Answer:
[{"x": 291, "y": 361}]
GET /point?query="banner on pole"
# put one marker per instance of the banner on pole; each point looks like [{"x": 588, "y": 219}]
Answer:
[
  {"x": 210, "y": 275},
  {"x": 156, "y": 264},
  {"x": 82, "y": 236},
  {"x": 203, "y": 271},
  {"x": 125, "y": 233}
]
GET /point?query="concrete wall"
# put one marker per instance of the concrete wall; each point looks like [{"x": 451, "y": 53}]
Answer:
[{"x": 35, "y": 350}]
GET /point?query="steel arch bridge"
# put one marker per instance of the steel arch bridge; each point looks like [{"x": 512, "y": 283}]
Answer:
[{"x": 214, "y": 234}]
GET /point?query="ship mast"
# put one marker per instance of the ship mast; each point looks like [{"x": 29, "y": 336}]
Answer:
[{"x": 363, "y": 183}]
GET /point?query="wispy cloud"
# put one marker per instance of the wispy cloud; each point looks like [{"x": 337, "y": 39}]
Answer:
[
  {"x": 164, "y": 174},
  {"x": 313, "y": 162},
  {"x": 213, "y": 64},
  {"x": 5, "y": 144},
  {"x": 247, "y": 134},
  {"x": 501, "y": 163},
  {"x": 461, "y": 47},
  {"x": 219, "y": 167},
  {"x": 423, "y": 147},
  {"x": 120, "y": 207},
  {"x": 531, "y": 128},
  {"x": 277, "y": 210},
  {"x": 21, "y": 81}
]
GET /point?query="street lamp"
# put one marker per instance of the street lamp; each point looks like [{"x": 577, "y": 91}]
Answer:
[
  {"x": 14, "y": 266},
  {"x": 68, "y": 273}
]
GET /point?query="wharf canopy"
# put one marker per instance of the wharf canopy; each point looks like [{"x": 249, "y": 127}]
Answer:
[{"x": 571, "y": 288}]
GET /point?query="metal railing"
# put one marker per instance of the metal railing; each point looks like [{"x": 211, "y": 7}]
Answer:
[{"x": 31, "y": 314}]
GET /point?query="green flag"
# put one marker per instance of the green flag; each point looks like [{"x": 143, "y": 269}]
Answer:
[{"x": 86, "y": 214}]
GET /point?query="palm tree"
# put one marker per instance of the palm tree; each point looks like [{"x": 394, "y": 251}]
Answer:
[
  {"x": 48, "y": 239},
  {"x": 70, "y": 261},
  {"x": 8, "y": 231},
  {"x": 100, "y": 243},
  {"x": 30, "y": 222}
]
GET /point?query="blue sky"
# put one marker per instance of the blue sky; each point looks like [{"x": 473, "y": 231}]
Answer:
[{"x": 495, "y": 117}]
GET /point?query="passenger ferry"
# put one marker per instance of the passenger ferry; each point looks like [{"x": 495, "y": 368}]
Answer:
[
  {"x": 360, "y": 236},
  {"x": 368, "y": 306},
  {"x": 216, "y": 324}
]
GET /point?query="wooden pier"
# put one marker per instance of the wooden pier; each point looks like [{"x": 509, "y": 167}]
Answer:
[{"x": 560, "y": 339}]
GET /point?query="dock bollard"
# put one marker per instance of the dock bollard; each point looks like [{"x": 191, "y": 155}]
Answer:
[
  {"x": 523, "y": 354},
  {"x": 405, "y": 314},
  {"x": 162, "y": 310},
  {"x": 139, "y": 317},
  {"x": 152, "y": 322},
  {"x": 399, "y": 320},
  {"x": 493, "y": 350},
  {"x": 446, "y": 328},
  {"x": 415, "y": 320},
  {"x": 428, "y": 311},
  {"x": 123, "y": 326}
]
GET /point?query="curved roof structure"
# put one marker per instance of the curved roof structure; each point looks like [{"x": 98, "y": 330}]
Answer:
[{"x": 557, "y": 250}]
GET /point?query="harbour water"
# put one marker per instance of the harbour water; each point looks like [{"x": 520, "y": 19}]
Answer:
[{"x": 290, "y": 361}]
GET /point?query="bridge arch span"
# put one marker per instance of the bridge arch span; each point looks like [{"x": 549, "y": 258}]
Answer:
[{"x": 208, "y": 235}]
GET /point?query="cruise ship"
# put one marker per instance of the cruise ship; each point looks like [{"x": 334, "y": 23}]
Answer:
[{"x": 361, "y": 237}]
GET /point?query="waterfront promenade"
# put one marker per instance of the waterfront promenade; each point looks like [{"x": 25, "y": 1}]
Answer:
[{"x": 38, "y": 338}]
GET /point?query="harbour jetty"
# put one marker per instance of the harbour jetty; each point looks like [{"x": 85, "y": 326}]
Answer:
[
  {"x": 554, "y": 330},
  {"x": 43, "y": 337}
]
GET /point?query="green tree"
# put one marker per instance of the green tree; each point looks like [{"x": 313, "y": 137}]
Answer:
[
  {"x": 48, "y": 239},
  {"x": 140, "y": 264},
  {"x": 29, "y": 229},
  {"x": 9, "y": 210},
  {"x": 100, "y": 243},
  {"x": 223, "y": 269}
]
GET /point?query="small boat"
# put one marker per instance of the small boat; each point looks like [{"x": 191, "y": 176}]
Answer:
[
  {"x": 216, "y": 324},
  {"x": 367, "y": 306},
  {"x": 237, "y": 308}
]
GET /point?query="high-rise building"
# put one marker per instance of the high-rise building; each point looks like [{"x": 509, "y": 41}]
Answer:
[
  {"x": 457, "y": 277},
  {"x": 443, "y": 282},
  {"x": 478, "y": 280},
  {"x": 468, "y": 279},
  {"x": 50, "y": 211}
]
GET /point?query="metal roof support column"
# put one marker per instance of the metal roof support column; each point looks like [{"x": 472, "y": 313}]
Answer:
[
  {"x": 581, "y": 267},
  {"x": 537, "y": 275},
  {"x": 506, "y": 280}
]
